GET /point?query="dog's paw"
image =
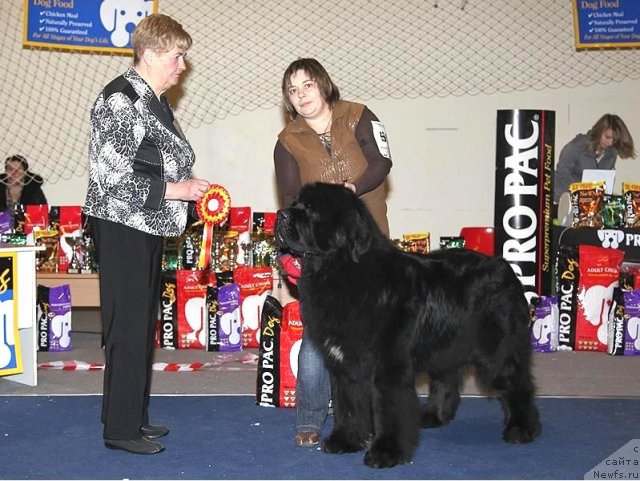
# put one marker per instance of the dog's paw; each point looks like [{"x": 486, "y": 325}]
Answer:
[
  {"x": 337, "y": 444},
  {"x": 385, "y": 457},
  {"x": 522, "y": 434},
  {"x": 430, "y": 420}
]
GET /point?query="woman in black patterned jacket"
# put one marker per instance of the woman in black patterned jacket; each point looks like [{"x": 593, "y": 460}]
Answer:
[{"x": 139, "y": 186}]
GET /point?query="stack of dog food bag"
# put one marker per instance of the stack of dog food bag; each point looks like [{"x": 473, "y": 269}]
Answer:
[
  {"x": 214, "y": 287},
  {"x": 597, "y": 301},
  {"x": 232, "y": 299},
  {"x": 68, "y": 248}
]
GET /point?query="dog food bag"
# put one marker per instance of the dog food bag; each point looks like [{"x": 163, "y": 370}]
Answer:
[
  {"x": 613, "y": 212},
  {"x": 171, "y": 253},
  {"x": 268, "y": 380},
  {"x": 228, "y": 318},
  {"x": 632, "y": 323},
  {"x": 631, "y": 196},
  {"x": 290, "y": 341},
  {"x": 167, "y": 332},
  {"x": 255, "y": 284},
  {"x": 42, "y": 317},
  {"x": 544, "y": 325},
  {"x": 192, "y": 293},
  {"x": 451, "y": 242},
  {"x": 6, "y": 221},
  {"x": 70, "y": 229},
  {"x": 419, "y": 242},
  {"x": 587, "y": 201},
  {"x": 189, "y": 250},
  {"x": 629, "y": 276},
  {"x": 35, "y": 217},
  {"x": 60, "y": 318},
  {"x": 47, "y": 259},
  {"x": 240, "y": 219},
  {"x": 616, "y": 324},
  {"x": 264, "y": 222},
  {"x": 213, "y": 329},
  {"x": 567, "y": 276},
  {"x": 599, "y": 276}
]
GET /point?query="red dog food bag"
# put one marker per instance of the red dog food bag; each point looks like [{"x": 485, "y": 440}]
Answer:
[
  {"x": 35, "y": 216},
  {"x": 290, "y": 342},
  {"x": 192, "y": 311},
  {"x": 599, "y": 276},
  {"x": 70, "y": 228},
  {"x": 255, "y": 284},
  {"x": 240, "y": 219}
]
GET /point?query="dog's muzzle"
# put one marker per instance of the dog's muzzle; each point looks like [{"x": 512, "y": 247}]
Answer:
[{"x": 282, "y": 227}]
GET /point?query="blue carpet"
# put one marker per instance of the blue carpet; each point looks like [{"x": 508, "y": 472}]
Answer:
[{"x": 229, "y": 437}]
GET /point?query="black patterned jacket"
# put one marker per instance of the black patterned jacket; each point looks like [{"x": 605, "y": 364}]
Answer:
[{"x": 136, "y": 147}]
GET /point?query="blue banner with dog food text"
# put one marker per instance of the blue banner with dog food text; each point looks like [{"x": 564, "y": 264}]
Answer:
[{"x": 94, "y": 25}]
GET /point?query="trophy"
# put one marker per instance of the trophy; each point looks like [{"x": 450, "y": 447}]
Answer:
[
  {"x": 77, "y": 253},
  {"x": 88, "y": 265}
]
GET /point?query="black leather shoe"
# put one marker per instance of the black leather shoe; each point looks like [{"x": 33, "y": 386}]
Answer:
[
  {"x": 152, "y": 432},
  {"x": 135, "y": 446}
]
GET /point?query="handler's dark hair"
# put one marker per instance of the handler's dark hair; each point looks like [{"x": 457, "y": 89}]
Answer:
[{"x": 317, "y": 73}]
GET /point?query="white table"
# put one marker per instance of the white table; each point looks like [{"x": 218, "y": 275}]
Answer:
[{"x": 25, "y": 295}]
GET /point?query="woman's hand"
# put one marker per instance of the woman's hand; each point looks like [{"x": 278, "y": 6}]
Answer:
[{"x": 189, "y": 190}]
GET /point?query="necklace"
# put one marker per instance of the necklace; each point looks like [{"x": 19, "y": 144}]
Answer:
[
  {"x": 326, "y": 129},
  {"x": 325, "y": 136}
]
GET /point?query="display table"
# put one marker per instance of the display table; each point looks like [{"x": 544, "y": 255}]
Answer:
[
  {"x": 625, "y": 239},
  {"x": 85, "y": 288},
  {"x": 23, "y": 284}
]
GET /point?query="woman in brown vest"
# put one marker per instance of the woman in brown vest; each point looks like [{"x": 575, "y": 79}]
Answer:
[{"x": 326, "y": 140}]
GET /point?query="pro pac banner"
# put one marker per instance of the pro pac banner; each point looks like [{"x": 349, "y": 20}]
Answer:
[{"x": 524, "y": 195}]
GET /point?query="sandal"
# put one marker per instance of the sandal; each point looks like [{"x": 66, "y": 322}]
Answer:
[{"x": 307, "y": 439}]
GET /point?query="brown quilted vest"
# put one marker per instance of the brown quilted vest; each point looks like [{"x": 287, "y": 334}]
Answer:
[{"x": 346, "y": 161}]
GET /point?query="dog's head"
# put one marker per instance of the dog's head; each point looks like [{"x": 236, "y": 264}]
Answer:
[{"x": 326, "y": 219}]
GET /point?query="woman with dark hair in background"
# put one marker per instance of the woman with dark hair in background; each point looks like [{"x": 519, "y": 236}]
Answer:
[
  {"x": 335, "y": 141},
  {"x": 18, "y": 185}
]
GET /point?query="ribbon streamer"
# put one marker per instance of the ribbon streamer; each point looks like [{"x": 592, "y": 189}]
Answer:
[{"x": 213, "y": 209}]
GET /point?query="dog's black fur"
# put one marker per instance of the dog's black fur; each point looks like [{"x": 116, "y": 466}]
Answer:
[{"x": 380, "y": 316}]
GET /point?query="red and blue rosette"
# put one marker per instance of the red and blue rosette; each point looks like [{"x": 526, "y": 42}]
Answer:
[{"x": 213, "y": 209}]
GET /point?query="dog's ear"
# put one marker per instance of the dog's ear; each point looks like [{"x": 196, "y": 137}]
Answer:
[{"x": 359, "y": 238}]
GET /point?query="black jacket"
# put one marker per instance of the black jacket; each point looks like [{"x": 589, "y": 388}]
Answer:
[{"x": 31, "y": 192}]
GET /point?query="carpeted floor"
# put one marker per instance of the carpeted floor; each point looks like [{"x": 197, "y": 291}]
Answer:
[
  {"x": 227, "y": 437},
  {"x": 590, "y": 406}
]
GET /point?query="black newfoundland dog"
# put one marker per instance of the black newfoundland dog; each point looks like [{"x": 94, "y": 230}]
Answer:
[{"x": 381, "y": 316}]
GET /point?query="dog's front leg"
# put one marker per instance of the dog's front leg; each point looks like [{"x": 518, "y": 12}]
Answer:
[
  {"x": 396, "y": 415},
  {"x": 352, "y": 416}
]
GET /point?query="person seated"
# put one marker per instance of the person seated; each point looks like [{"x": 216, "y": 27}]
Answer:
[
  {"x": 18, "y": 185},
  {"x": 599, "y": 148}
]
